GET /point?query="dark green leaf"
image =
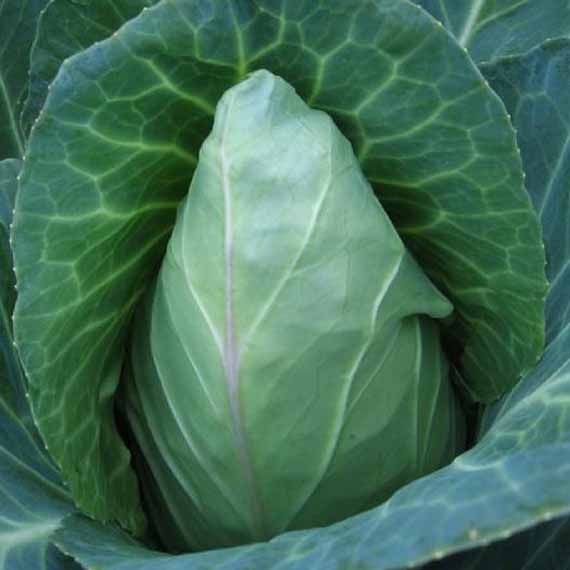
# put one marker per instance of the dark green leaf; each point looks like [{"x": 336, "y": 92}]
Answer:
[
  {"x": 17, "y": 32},
  {"x": 32, "y": 501},
  {"x": 65, "y": 28},
  {"x": 484, "y": 496},
  {"x": 493, "y": 28},
  {"x": 535, "y": 89},
  {"x": 115, "y": 148}
]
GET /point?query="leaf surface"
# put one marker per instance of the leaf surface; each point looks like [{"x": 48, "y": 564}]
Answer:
[
  {"x": 490, "y": 29},
  {"x": 17, "y": 32},
  {"x": 32, "y": 501},
  {"x": 530, "y": 485},
  {"x": 546, "y": 547},
  {"x": 534, "y": 87},
  {"x": 290, "y": 334}
]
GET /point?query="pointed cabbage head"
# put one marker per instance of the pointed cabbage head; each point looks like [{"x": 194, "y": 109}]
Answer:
[{"x": 286, "y": 369}]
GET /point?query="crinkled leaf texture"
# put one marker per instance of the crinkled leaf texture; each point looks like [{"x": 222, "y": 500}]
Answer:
[
  {"x": 32, "y": 500},
  {"x": 115, "y": 146},
  {"x": 286, "y": 369},
  {"x": 518, "y": 473}
]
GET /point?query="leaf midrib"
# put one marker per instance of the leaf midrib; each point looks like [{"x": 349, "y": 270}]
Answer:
[{"x": 230, "y": 348}]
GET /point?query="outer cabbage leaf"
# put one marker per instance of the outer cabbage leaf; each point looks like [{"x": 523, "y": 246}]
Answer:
[
  {"x": 285, "y": 353},
  {"x": 534, "y": 87},
  {"x": 12, "y": 385},
  {"x": 65, "y": 28},
  {"x": 32, "y": 501},
  {"x": 115, "y": 147},
  {"x": 546, "y": 547},
  {"x": 486, "y": 495},
  {"x": 490, "y": 29},
  {"x": 17, "y": 31}
]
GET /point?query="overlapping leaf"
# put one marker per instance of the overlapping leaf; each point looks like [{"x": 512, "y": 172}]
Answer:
[
  {"x": 535, "y": 90},
  {"x": 546, "y": 547},
  {"x": 516, "y": 477},
  {"x": 530, "y": 485},
  {"x": 534, "y": 87},
  {"x": 32, "y": 501}
]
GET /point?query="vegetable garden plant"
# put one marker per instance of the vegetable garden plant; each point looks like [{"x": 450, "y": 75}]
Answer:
[{"x": 284, "y": 284}]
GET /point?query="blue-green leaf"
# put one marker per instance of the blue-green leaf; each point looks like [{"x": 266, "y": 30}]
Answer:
[
  {"x": 546, "y": 547},
  {"x": 518, "y": 474},
  {"x": 493, "y": 28},
  {"x": 32, "y": 500},
  {"x": 535, "y": 89},
  {"x": 529, "y": 486}
]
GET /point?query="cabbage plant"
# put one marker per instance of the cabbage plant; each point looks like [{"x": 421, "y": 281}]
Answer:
[{"x": 283, "y": 284}]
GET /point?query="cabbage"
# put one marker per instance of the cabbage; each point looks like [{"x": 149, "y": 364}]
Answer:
[{"x": 181, "y": 373}]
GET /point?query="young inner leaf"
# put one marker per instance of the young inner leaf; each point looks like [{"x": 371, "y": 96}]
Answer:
[{"x": 286, "y": 371}]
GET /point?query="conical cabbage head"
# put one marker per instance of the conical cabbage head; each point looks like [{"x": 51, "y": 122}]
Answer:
[{"x": 286, "y": 368}]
